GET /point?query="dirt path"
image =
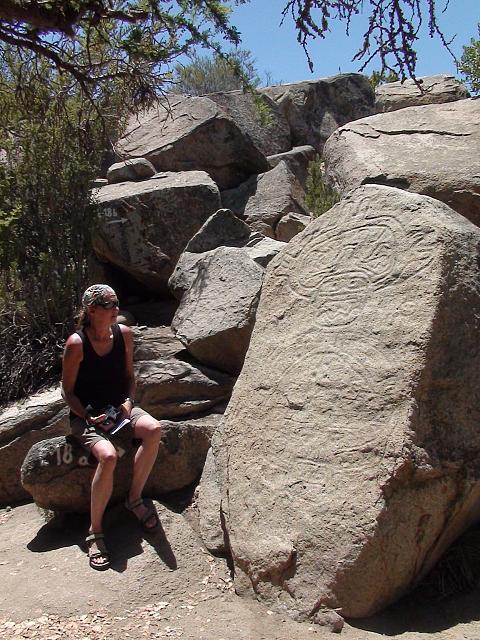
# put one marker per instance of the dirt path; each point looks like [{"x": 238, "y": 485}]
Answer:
[{"x": 167, "y": 587}]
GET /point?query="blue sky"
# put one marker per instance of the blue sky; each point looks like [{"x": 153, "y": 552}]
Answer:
[{"x": 277, "y": 52}]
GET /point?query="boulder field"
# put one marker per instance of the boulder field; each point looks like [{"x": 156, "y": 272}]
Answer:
[{"x": 346, "y": 461}]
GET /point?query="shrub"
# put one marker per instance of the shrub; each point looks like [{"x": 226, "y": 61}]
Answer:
[
  {"x": 318, "y": 196},
  {"x": 52, "y": 146}
]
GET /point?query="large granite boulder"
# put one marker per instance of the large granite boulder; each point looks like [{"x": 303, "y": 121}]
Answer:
[
  {"x": 263, "y": 200},
  {"x": 58, "y": 473},
  {"x": 434, "y": 89},
  {"x": 41, "y": 416},
  {"x": 432, "y": 149},
  {"x": 314, "y": 109},
  {"x": 144, "y": 226},
  {"x": 349, "y": 457},
  {"x": 185, "y": 133},
  {"x": 260, "y": 118},
  {"x": 223, "y": 229},
  {"x": 216, "y": 315}
]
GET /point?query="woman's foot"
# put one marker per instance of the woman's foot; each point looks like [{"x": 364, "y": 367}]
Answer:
[
  {"x": 146, "y": 514},
  {"x": 98, "y": 556}
]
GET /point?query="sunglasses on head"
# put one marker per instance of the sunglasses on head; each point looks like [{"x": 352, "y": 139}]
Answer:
[{"x": 107, "y": 305}]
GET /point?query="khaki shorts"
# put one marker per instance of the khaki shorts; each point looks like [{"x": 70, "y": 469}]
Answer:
[{"x": 89, "y": 434}]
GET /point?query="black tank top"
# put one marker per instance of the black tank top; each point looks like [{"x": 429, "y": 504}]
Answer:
[{"x": 102, "y": 380}]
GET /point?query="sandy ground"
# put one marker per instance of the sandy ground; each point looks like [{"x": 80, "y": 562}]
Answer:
[{"x": 165, "y": 587}]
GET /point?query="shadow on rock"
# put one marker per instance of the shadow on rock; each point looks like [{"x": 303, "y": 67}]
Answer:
[{"x": 452, "y": 588}]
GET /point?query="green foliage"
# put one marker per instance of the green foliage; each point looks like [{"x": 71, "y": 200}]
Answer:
[
  {"x": 319, "y": 198},
  {"x": 378, "y": 77},
  {"x": 52, "y": 146},
  {"x": 470, "y": 64},
  {"x": 130, "y": 42},
  {"x": 209, "y": 74}
]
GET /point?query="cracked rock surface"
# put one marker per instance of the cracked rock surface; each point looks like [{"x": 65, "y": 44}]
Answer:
[{"x": 431, "y": 150}]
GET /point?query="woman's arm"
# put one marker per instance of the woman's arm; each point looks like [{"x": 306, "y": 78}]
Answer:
[
  {"x": 130, "y": 374},
  {"x": 72, "y": 357}
]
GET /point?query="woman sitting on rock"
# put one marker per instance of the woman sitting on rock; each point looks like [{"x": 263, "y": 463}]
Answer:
[{"x": 98, "y": 373}]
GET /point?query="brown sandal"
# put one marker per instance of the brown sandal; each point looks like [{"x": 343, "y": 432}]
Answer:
[
  {"x": 148, "y": 515},
  {"x": 99, "y": 566}
]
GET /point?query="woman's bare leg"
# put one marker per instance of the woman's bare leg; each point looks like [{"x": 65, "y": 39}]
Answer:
[
  {"x": 102, "y": 487},
  {"x": 149, "y": 431}
]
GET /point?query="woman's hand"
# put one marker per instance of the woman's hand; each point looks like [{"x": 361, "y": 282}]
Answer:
[{"x": 95, "y": 420}]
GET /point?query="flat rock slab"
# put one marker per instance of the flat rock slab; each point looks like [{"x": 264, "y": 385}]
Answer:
[
  {"x": 349, "y": 456},
  {"x": 169, "y": 382},
  {"x": 432, "y": 149},
  {"x": 145, "y": 226},
  {"x": 186, "y": 133},
  {"x": 314, "y": 109},
  {"x": 434, "y": 89}
]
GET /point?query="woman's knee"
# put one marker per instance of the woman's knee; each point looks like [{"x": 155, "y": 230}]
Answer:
[
  {"x": 106, "y": 454},
  {"x": 151, "y": 431}
]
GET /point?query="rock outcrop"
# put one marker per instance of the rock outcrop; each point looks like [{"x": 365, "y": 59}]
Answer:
[
  {"x": 261, "y": 120},
  {"x": 223, "y": 229},
  {"x": 145, "y": 226},
  {"x": 58, "y": 473},
  {"x": 434, "y": 90},
  {"x": 186, "y": 133},
  {"x": 218, "y": 280},
  {"x": 314, "y": 109},
  {"x": 169, "y": 383},
  {"x": 432, "y": 150},
  {"x": 263, "y": 200},
  {"x": 349, "y": 453}
]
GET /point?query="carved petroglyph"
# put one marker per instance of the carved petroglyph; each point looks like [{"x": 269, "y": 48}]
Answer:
[{"x": 341, "y": 269}]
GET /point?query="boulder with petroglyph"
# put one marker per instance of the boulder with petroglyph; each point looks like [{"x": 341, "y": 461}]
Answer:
[{"x": 348, "y": 459}]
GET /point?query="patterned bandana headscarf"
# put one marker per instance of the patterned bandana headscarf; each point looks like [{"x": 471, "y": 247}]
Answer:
[{"x": 97, "y": 293}]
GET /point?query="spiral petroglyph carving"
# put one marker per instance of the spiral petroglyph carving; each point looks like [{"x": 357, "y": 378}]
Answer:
[{"x": 342, "y": 268}]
